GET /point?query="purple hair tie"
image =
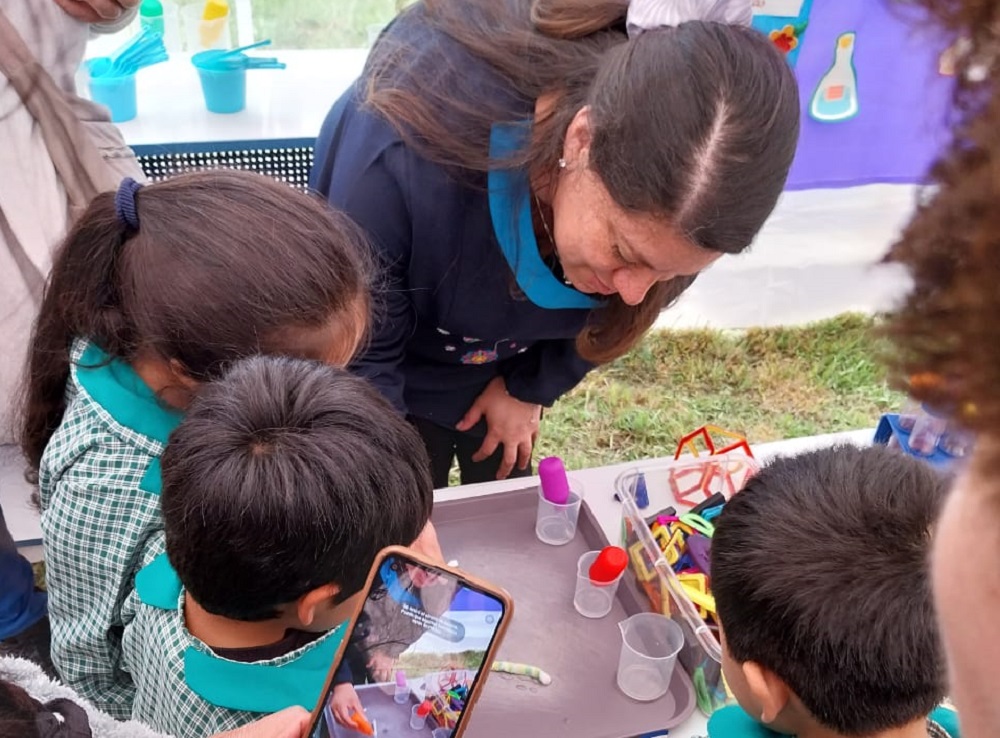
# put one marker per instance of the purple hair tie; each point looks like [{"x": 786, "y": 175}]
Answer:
[{"x": 125, "y": 207}]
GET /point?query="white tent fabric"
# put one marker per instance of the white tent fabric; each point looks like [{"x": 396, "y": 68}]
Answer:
[{"x": 817, "y": 257}]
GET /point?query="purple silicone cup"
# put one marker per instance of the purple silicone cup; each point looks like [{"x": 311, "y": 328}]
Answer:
[{"x": 555, "y": 485}]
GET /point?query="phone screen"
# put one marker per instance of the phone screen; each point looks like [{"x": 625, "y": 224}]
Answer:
[{"x": 415, "y": 653}]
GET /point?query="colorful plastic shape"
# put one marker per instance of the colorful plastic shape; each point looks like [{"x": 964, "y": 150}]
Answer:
[
  {"x": 638, "y": 556},
  {"x": 700, "y": 550},
  {"x": 641, "y": 495},
  {"x": 687, "y": 443}
]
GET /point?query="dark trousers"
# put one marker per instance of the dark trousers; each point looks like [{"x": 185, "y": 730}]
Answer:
[
  {"x": 445, "y": 444},
  {"x": 20, "y": 605}
]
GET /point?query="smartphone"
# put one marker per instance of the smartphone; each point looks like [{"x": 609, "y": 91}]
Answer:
[{"x": 416, "y": 654}]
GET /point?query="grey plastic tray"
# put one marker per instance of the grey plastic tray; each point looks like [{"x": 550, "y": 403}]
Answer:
[{"x": 494, "y": 538}]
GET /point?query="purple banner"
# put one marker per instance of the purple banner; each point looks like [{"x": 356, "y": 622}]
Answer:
[{"x": 903, "y": 98}]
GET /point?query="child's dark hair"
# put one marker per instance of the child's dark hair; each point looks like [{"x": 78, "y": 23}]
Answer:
[
  {"x": 287, "y": 475},
  {"x": 224, "y": 264},
  {"x": 819, "y": 571}
]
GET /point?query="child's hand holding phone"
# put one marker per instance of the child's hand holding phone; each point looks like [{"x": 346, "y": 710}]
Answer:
[{"x": 429, "y": 632}]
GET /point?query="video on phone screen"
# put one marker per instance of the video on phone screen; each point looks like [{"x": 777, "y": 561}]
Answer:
[{"x": 416, "y": 651}]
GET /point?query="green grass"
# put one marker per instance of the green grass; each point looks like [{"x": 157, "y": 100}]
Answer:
[
  {"x": 319, "y": 24},
  {"x": 766, "y": 384}
]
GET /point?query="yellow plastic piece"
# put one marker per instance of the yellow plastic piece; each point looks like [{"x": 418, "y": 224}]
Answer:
[
  {"x": 696, "y": 588},
  {"x": 662, "y": 535},
  {"x": 684, "y": 527},
  {"x": 671, "y": 555},
  {"x": 695, "y": 580},
  {"x": 704, "y": 601},
  {"x": 215, "y": 9},
  {"x": 642, "y": 572},
  {"x": 214, "y": 20}
]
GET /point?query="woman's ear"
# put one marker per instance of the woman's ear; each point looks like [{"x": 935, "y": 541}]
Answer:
[
  {"x": 576, "y": 147},
  {"x": 313, "y": 602},
  {"x": 768, "y": 691}
]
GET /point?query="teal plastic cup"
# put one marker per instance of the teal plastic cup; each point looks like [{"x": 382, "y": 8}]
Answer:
[
  {"x": 225, "y": 90},
  {"x": 117, "y": 94}
]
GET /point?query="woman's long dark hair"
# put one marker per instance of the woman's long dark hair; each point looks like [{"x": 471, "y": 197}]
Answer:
[{"x": 696, "y": 123}]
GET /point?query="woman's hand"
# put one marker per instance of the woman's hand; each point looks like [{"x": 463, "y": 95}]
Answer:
[
  {"x": 96, "y": 11},
  {"x": 428, "y": 545},
  {"x": 381, "y": 667},
  {"x": 289, "y": 723},
  {"x": 509, "y": 422},
  {"x": 345, "y": 703}
]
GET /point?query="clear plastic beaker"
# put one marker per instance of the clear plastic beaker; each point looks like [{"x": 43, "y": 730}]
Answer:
[
  {"x": 555, "y": 524},
  {"x": 650, "y": 644},
  {"x": 593, "y": 599}
]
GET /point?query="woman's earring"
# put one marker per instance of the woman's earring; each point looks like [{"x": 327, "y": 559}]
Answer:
[{"x": 562, "y": 163}]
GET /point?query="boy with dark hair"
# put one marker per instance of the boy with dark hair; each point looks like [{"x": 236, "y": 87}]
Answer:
[
  {"x": 820, "y": 576},
  {"x": 280, "y": 486}
]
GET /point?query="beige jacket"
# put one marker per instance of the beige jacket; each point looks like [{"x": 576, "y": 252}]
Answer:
[{"x": 37, "y": 203}]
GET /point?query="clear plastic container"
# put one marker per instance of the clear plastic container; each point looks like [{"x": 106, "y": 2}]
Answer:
[
  {"x": 927, "y": 431},
  {"x": 956, "y": 441},
  {"x": 555, "y": 524},
  {"x": 650, "y": 644},
  {"x": 418, "y": 716},
  {"x": 908, "y": 414},
  {"x": 401, "y": 694},
  {"x": 682, "y": 485},
  {"x": 593, "y": 599}
]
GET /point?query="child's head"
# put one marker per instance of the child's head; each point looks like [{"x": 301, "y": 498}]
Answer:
[
  {"x": 282, "y": 483},
  {"x": 208, "y": 268},
  {"x": 819, "y": 571}
]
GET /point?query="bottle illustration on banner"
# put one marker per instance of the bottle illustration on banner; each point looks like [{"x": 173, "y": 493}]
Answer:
[{"x": 836, "y": 95}]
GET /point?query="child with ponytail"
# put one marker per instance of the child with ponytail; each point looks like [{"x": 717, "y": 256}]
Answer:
[{"x": 156, "y": 291}]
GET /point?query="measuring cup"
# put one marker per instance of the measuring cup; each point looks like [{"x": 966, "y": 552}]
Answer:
[
  {"x": 555, "y": 524},
  {"x": 593, "y": 599},
  {"x": 650, "y": 644}
]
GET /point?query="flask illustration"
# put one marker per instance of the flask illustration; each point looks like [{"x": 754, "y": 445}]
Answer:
[{"x": 836, "y": 95}]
